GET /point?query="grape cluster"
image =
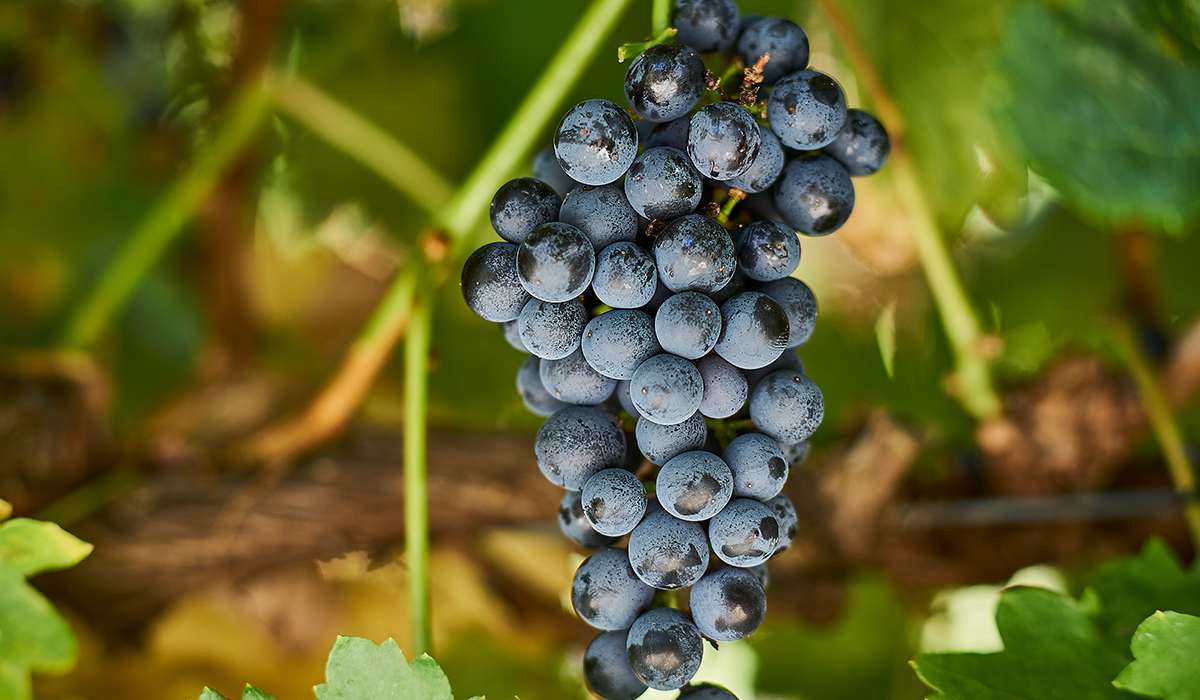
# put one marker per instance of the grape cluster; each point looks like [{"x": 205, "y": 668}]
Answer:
[{"x": 662, "y": 331}]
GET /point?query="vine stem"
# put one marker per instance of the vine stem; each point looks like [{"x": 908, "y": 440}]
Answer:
[
  {"x": 416, "y": 503},
  {"x": 164, "y": 222},
  {"x": 660, "y": 16},
  {"x": 972, "y": 381},
  {"x": 1165, "y": 428}
]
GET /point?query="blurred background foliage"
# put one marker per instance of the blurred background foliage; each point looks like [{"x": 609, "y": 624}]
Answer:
[{"x": 1057, "y": 144}]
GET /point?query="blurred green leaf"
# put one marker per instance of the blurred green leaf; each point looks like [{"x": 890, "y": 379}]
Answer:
[
  {"x": 210, "y": 694},
  {"x": 1103, "y": 95},
  {"x": 252, "y": 693},
  {"x": 357, "y": 668},
  {"x": 34, "y": 634},
  {"x": 1166, "y": 648},
  {"x": 14, "y": 681},
  {"x": 32, "y": 546},
  {"x": 1123, "y": 593}
]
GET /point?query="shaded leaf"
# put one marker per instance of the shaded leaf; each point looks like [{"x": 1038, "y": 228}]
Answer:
[
  {"x": 33, "y": 546},
  {"x": 357, "y": 668},
  {"x": 14, "y": 681},
  {"x": 210, "y": 694},
  {"x": 1166, "y": 650},
  {"x": 34, "y": 634},
  {"x": 252, "y": 693},
  {"x": 1123, "y": 593}
]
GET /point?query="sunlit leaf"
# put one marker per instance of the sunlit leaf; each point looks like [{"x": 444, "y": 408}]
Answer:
[
  {"x": 33, "y": 546},
  {"x": 357, "y": 668},
  {"x": 34, "y": 634},
  {"x": 1166, "y": 649}
]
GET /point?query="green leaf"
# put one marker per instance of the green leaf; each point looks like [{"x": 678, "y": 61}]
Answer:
[
  {"x": 14, "y": 681},
  {"x": 210, "y": 694},
  {"x": 1051, "y": 650},
  {"x": 34, "y": 634},
  {"x": 33, "y": 546},
  {"x": 359, "y": 669},
  {"x": 1166, "y": 649},
  {"x": 252, "y": 693},
  {"x": 1102, "y": 93},
  {"x": 1123, "y": 593}
]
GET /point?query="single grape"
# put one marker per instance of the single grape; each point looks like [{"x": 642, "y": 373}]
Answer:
[
  {"x": 659, "y": 443},
  {"x": 617, "y": 342},
  {"x": 765, "y": 169},
  {"x": 626, "y": 277},
  {"x": 754, "y": 331},
  {"x": 688, "y": 324},
  {"x": 664, "y": 82},
  {"x": 723, "y": 140},
  {"x": 556, "y": 262},
  {"x": 815, "y": 195},
  {"x": 694, "y": 485},
  {"x": 758, "y": 465},
  {"x": 512, "y": 335},
  {"x": 602, "y": 213},
  {"x": 728, "y": 604},
  {"x": 574, "y": 524},
  {"x": 694, "y": 253},
  {"x": 662, "y": 184},
  {"x": 762, "y": 572},
  {"x": 744, "y": 534},
  {"x": 768, "y": 250},
  {"x": 705, "y": 691},
  {"x": 790, "y": 359},
  {"x": 622, "y": 394},
  {"x": 572, "y": 380},
  {"x": 785, "y": 513},
  {"x": 862, "y": 146},
  {"x": 606, "y": 667},
  {"x": 490, "y": 285},
  {"x": 552, "y": 331},
  {"x": 706, "y": 25},
  {"x": 787, "y": 406},
  {"x": 783, "y": 39},
  {"x": 725, "y": 389},
  {"x": 521, "y": 205},
  {"x": 533, "y": 393},
  {"x": 796, "y": 453},
  {"x": 800, "y": 305},
  {"x": 595, "y": 142},
  {"x": 666, "y": 389},
  {"x": 614, "y": 502},
  {"x": 606, "y": 593},
  {"x": 665, "y": 648},
  {"x": 806, "y": 110},
  {"x": 667, "y": 552},
  {"x": 575, "y": 443},
  {"x": 673, "y": 134},
  {"x": 735, "y": 286},
  {"x": 661, "y": 294},
  {"x": 547, "y": 169},
  {"x": 761, "y": 206}
]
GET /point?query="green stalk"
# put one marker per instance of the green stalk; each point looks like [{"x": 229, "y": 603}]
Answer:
[
  {"x": 164, "y": 223},
  {"x": 660, "y": 16},
  {"x": 416, "y": 504}
]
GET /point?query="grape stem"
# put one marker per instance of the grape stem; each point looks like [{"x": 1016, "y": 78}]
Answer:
[
  {"x": 416, "y": 502},
  {"x": 627, "y": 51},
  {"x": 735, "y": 196},
  {"x": 972, "y": 382},
  {"x": 660, "y": 16}
]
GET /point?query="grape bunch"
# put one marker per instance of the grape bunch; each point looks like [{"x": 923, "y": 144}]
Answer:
[{"x": 662, "y": 323}]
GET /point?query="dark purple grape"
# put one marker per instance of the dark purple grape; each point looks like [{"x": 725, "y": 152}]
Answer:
[
  {"x": 522, "y": 205},
  {"x": 617, "y": 342},
  {"x": 533, "y": 393},
  {"x": 862, "y": 146},
  {"x": 667, "y": 552},
  {"x": 572, "y": 380},
  {"x": 796, "y": 453},
  {"x": 662, "y": 184},
  {"x": 552, "y": 331},
  {"x": 547, "y": 169},
  {"x": 806, "y": 110},
  {"x": 688, "y": 324},
  {"x": 595, "y": 142},
  {"x": 728, "y": 604},
  {"x": 512, "y": 335},
  {"x": 754, "y": 331},
  {"x": 661, "y": 294},
  {"x": 744, "y": 534},
  {"x": 758, "y": 465},
  {"x": 787, "y": 406},
  {"x": 664, "y": 82},
  {"x": 706, "y": 25},
  {"x": 602, "y": 213},
  {"x": 490, "y": 285},
  {"x": 574, "y": 524},
  {"x": 725, "y": 389},
  {"x": 606, "y": 593},
  {"x": 659, "y": 443},
  {"x": 694, "y": 485},
  {"x": 575, "y": 443},
  {"x": 785, "y": 513},
  {"x": 614, "y": 502},
  {"x": 606, "y": 667},
  {"x": 762, "y": 572},
  {"x": 672, "y": 134},
  {"x": 626, "y": 277},
  {"x": 765, "y": 169},
  {"x": 790, "y": 359},
  {"x": 783, "y": 39},
  {"x": 800, "y": 305},
  {"x": 735, "y": 286},
  {"x": 768, "y": 250},
  {"x": 723, "y": 140},
  {"x": 815, "y": 195},
  {"x": 694, "y": 253},
  {"x": 666, "y": 389},
  {"x": 622, "y": 394},
  {"x": 705, "y": 691},
  {"x": 665, "y": 648},
  {"x": 555, "y": 262}
]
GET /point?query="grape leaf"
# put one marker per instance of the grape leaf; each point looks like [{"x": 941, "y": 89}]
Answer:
[
  {"x": 210, "y": 694},
  {"x": 1102, "y": 93},
  {"x": 34, "y": 634},
  {"x": 1123, "y": 593},
  {"x": 33, "y": 546},
  {"x": 1165, "y": 648},
  {"x": 357, "y": 668},
  {"x": 1051, "y": 649},
  {"x": 252, "y": 693}
]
